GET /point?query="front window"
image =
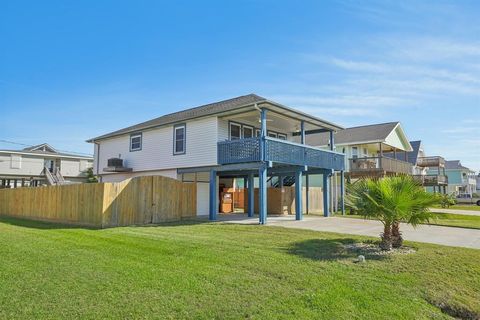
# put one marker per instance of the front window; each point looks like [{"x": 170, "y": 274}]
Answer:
[
  {"x": 136, "y": 142},
  {"x": 235, "y": 131},
  {"x": 179, "y": 139},
  {"x": 282, "y": 136},
  {"x": 354, "y": 152},
  {"x": 272, "y": 134},
  {"x": 247, "y": 132}
]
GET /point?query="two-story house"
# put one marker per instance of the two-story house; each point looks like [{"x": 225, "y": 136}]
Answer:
[
  {"x": 41, "y": 165},
  {"x": 429, "y": 171},
  {"x": 461, "y": 180},
  {"x": 248, "y": 137},
  {"x": 367, "y": 149}
]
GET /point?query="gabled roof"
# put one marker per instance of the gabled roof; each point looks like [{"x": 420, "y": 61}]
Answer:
[
  {"x": 45, "y": 149},
  {"x": 224, "y": 106},
  {"x": 46, "y": 153},
  {"x": 41, "y": 147},
  {"x": 412, "y": 156},
  {"x": 374, "y": 133},
  {"x": 455, "y": 165}
]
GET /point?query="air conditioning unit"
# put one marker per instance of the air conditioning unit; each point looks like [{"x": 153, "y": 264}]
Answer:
[
  {"x": 116, "y": 165},
  {"x": 115, "y": 162}
]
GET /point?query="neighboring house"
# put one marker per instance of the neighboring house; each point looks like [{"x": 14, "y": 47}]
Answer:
[
  {"x": 478, "y": 184},
  {"x": 41, "y": 165},
  {"x": 367, "y": 148},
  {"x": 428, "y": 170},
  {"x": 461, "y": 180},
  {"x": 245, "y": 137}
]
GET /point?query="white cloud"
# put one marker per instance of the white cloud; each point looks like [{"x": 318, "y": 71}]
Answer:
[{"x": 461, "y": 130}]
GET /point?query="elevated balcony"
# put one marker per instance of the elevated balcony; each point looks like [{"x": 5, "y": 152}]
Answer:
[
  {"x": 431, "y": 162},
  {"x": 278, "y": 151},
  {"x": 378, "y": 166},
  {"x": 431, "y": 180}
]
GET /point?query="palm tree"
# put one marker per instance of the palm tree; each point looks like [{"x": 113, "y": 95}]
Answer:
[{"x": 391, "y": 200}]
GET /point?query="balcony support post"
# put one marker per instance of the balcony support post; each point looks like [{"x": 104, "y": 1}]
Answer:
[
  {"x": 342, "y": 191},
  {"x": 298, "y": 195},
  {"x": 213, "y": 204},
  {"x": 332, "y": 140},
  {"x": 263, "y": 133},
  {"x": 302, "y": 132},
  {"x": 307, "y": 192},
  {"x": 251, "y": 195},
  {"x": 262, "y": 195},
  {"x": 381, "y": 155},
  {"x": 326, "y": 193}
]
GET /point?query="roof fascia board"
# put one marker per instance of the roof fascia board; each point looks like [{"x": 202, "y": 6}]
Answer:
[
  {"x": 46, "y": 155},
  {"x": 402, "y": 136},
  {"x": 310, "y": 119}
]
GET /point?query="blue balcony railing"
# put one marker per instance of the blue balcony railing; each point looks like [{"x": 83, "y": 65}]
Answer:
[{"x": 279, "y": 151}]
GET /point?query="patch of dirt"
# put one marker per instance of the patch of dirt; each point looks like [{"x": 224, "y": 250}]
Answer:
[
  {"x": 456, "y": 312},
  {"x": 371, "y": 249}
]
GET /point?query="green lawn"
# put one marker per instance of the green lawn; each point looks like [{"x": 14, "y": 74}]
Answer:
[
  {"x": 444, "y": 219},
  {"x": 221, "y": 271},
  {"x": 470, "y": 207}
]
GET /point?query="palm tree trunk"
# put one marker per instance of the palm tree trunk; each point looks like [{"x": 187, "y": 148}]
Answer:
[
  {"x": 397, "y": 240},
  {"x": 386, "y": 243}
]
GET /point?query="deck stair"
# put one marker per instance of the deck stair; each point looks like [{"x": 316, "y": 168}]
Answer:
[
  {"x": 288, "y": 181},
  {"x": 54, "y": 178}
]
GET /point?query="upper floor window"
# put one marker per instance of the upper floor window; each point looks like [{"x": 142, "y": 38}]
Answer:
[
  {"x": 136, "y": 142},
  {"x": 235, "y": 131},
  {"x": 179, "y": 139},
  {"x": 272, "y": 134},
  {"x": 247, "y": 132},
  {"x": 282, "y": 136}
]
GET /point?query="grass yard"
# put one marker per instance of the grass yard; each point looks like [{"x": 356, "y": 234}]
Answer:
[
  {"x": 443, "y": 219},
  {"x": 215, "y": 271},
  {"x": 469, "y": 207}
]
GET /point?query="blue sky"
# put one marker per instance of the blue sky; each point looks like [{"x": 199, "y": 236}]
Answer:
[{"x": 72, "y": 70}]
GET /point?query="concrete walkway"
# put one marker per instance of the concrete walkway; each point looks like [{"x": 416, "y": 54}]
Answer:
[
  {"x": 456, "y": 211},
  {"x": 449, "y": 236}
]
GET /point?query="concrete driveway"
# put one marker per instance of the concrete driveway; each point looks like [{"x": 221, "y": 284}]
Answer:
[{"x": 449, "y": 236}]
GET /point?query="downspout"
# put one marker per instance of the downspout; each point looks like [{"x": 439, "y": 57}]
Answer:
[{"x": 98, "y": 160}]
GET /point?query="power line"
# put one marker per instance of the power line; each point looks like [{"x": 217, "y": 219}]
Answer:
[{"x": 27, "y": 145}]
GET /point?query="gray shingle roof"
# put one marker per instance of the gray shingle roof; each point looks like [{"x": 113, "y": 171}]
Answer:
[
  {"x": 205, "y": 110},
  {"x": 47, "y": 153},
  {"x": 368, "y": 133},
  {"x": 454, "y": 164}
]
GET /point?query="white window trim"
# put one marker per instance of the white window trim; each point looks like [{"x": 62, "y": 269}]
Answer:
[
  {"x": 248, "y": 127},
  {"x": 230, "y": 130},
  {"x": 136, "y": 135},
  {"x": 175, "y": 128},
  {"x": 283, "y": 135}
]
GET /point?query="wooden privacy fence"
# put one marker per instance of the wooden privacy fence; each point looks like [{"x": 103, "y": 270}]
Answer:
[
  {"x": 141, "y": 200},
  {"x": 282, "y": 200}
]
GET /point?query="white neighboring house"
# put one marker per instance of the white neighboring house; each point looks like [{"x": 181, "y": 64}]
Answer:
[
  {"x": 41, "y": 165},
  {"x": 196, "y": 144},
  {"x": 375, "y": 150}
]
